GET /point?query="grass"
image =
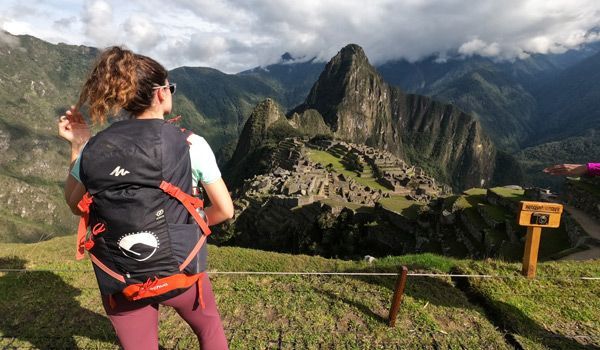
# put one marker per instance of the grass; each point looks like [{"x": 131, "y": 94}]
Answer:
[
  {"x": 257, "y": 311},
  {"x": 401, "y": 205},
  {"x": 552, "y": 242},
  {"x": 497, "y": 213},
  {"x": 470, "y": 198},
  {"x": 475, "y": 192},
  {"x": 366, "y": 178},
  {"x": 552, "y": 312},
  {"x": 512, "y": 194},
  {"x": 337, "y": 312}
]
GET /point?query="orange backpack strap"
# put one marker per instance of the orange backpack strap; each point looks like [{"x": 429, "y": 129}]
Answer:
[
  {"x": 106, "y": 269},
  {"x": 191, "y": 203},
  {"x": 84, "y": 207},
  {"x": 83, "y": 243},
  {"x": 158, "y": 286}
]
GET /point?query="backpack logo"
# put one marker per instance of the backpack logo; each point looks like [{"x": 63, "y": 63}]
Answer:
[
  {"x": 118, "y": 171},
  {"x": 139, "y": 246}
]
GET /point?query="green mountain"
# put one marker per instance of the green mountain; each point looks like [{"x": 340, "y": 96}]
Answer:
[
  {"x": 509, "y": 98},
  {"x": 566, "y": 128},
  {"x": 38, "y": 81},
  {"x": 492, "y": 92},
  {"x": 569, "y": 104},
  {"x": 293, "y": 77},
  {"x": 574, "y": 150},
  {"x": 216, "y": 105}
]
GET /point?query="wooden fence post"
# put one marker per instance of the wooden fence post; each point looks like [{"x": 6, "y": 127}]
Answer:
[{"x": 398, "y": 294}]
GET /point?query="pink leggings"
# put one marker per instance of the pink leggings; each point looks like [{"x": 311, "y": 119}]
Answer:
[{"x": 137, "y": 327}]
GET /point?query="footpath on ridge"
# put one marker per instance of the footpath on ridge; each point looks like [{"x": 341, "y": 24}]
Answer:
[{"x": 591, "y": 226}]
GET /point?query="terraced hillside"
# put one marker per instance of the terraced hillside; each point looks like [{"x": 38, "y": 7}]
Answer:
[
  {"x": 316, "y": 189},
  {"x": 485, "y": 221}
]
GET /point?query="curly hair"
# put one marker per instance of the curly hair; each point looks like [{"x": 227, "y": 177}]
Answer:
[{"x": 120, "y": 79}]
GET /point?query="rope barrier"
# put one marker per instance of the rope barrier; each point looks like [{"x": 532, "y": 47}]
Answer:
[{"x": 366, "y": 274}]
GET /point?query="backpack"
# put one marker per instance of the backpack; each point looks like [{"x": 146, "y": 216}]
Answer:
[{"x": 140, "y": 222}]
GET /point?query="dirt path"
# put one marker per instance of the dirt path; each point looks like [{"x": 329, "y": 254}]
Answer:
[
  {"x": 588, "y": 254},
  {"x": 591, "y": 227},
  {"x": 589, "y": 224}
]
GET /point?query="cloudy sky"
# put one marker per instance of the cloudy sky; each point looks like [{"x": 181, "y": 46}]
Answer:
[{"x": 236, "y": 35}]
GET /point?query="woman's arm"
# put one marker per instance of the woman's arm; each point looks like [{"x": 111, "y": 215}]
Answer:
[
  {"x": 74, "y": 191},
  {"x": 221, "y": 207},
  {"x": 593, "y": 169},
  {"x": 73, "y": 128},
  {"x": 567, "y": 169}
]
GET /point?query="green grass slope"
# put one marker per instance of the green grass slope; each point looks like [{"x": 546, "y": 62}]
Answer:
[{"x": 57, "y": 304}]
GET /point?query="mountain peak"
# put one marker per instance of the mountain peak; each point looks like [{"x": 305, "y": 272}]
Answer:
[
  {"x": 265, "y": 114},
  {"x": 352, "y": 50},
  {"x": 348, "y": 73},
  {"x": 286, "y": 57},
  {"x": 350, "y": 57}
]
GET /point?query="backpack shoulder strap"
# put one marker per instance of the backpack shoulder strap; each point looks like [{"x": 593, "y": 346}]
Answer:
[{"x": 191, "y": 203}]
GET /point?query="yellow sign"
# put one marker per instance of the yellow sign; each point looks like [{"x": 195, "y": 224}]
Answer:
[
  {"x": 536, "y": 215},
  {"x": 540, "y": 214}
]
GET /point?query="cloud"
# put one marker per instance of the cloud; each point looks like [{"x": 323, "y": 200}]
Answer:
[
  {"x": 65, "y": 23},
  {"x": 389, "y": 29},
  {"x": 142, "y": 33},
  {"x": 98, "y": 23},
  {"x": 233, "y": 35},
  {"x": 8, "y": 40},
  {"x": 478, "y": 47}
]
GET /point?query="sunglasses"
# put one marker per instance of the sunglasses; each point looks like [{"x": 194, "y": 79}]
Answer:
[{"x": 172, "y": 87}]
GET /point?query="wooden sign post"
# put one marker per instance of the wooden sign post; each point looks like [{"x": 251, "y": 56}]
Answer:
[{"x": 535, "y": 216}]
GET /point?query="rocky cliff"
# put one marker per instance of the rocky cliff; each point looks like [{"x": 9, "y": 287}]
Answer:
[{"x": 360, "y": 107}]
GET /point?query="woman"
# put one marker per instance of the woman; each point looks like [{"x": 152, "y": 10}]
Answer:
[
  {"x": 592, "y": 169},
  {"x": 124, "y": 82}
]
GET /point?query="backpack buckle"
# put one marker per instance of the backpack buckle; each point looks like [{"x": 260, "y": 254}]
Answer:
[
  {"x": 170, "y": 189},
  {"x": 84, "y": 203}
]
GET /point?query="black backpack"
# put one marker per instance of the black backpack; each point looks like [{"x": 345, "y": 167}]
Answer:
[{"x": 140, "y": 222}]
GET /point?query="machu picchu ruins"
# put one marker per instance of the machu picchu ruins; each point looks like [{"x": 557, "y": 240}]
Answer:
[{"x": 297, "y": 177}]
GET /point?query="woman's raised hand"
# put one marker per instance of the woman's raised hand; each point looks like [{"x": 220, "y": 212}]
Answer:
[
  {"x": 567, "y": 170},
  {"x": 73, "y": 128}
]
